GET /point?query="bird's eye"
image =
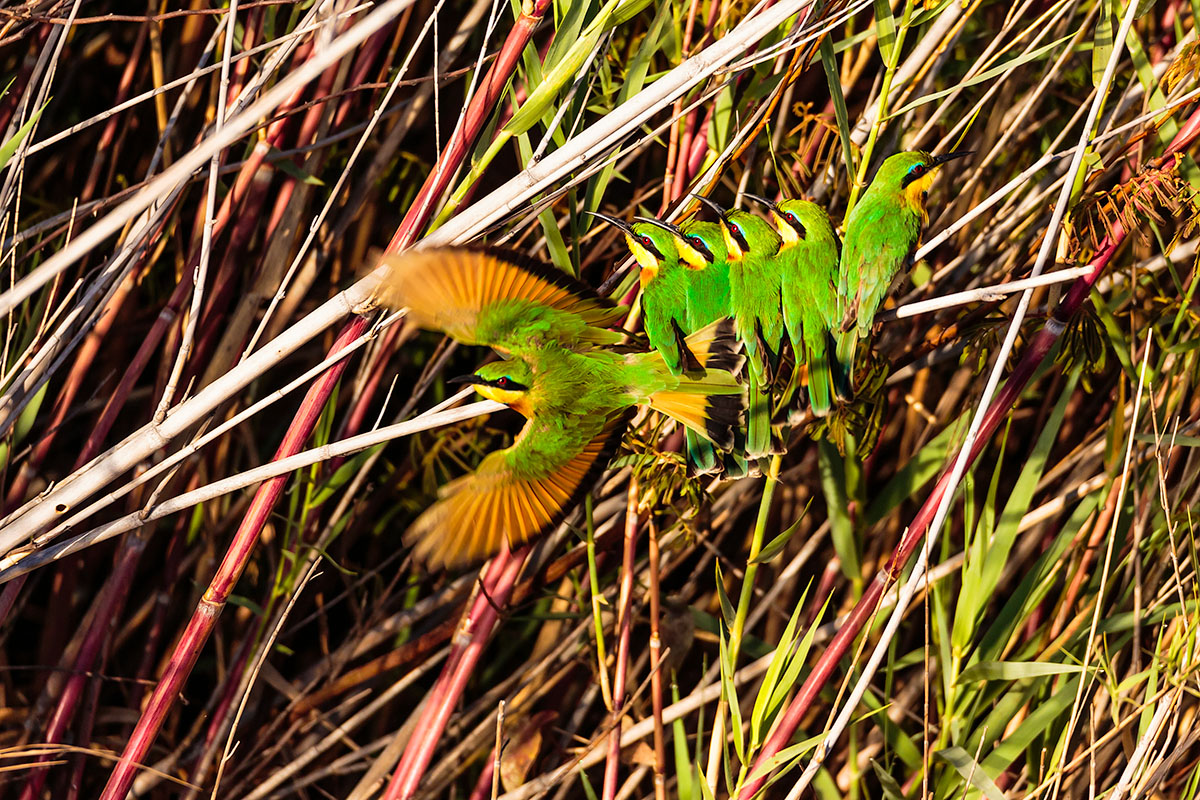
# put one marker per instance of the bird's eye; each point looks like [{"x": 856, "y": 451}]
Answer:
[
  {"x": 919, "y": 170},
  {"x": 502, "y": 383},
  {"x": 791, "y": 217},
  {"x": 736, "y": 230},
  {"x": 694, "y": 241}
]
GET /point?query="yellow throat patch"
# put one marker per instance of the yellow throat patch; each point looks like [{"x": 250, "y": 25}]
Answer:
[
  {"x": 517, "y": 400},
  {"x": 915, "y": 193},
  {"x": 731, "y": 245},
  {"x": 644, "y": 258}
]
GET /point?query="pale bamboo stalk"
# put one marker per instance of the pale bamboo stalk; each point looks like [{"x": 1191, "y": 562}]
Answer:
[
  {"x": 272, "y": 469},
  {"x": 199, "y": 278}
]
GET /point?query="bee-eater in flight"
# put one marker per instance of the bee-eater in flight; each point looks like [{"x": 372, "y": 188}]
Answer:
[{"x": 563, "y": 373}]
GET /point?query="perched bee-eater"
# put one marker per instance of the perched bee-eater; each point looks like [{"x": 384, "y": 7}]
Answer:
[
  {"x": 808, "y": 258},
  {"x": 664, "y": 290},
  {"x": 882, "y": 234},
  {"x": 754, "y": 283},
  {"x": 701, "y": 247},
  {"x": 702, "y": 308},
  {"x": 562, "y": 373}
]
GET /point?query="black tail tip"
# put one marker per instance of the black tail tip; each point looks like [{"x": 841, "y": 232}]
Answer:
[
  {"x": 725, "y": 415},
  {"x": 725, "y": 351}
]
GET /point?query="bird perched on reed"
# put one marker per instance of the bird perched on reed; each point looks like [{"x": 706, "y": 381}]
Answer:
[
  {"x": 751, "y": 246},
  {"x": 882, "y": 234},
  {"x": 808, "y": 266}
]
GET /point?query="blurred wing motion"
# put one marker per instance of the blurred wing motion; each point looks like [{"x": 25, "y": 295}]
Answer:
[
  {"x": 515, "y": 496},
  {"x": 496, "y": 298}
]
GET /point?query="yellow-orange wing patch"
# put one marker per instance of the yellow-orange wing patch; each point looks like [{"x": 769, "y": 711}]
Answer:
[
  {"x": 466, "y": 292},
  {"x": 479, "y": 513}
]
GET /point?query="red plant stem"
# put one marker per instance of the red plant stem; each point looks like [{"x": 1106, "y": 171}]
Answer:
[
  {"x": 483, "y": 104},
  {"x": 108, "y": 610},
  {"x": 158, "y": 625},
  {"x": 1007, "y": 398},
  {"x": 483, "y": 786},
  {"x": 624, "y": 626},
  {"x": 109, "y": 134},
  {"x": 695, "y": 158},
  {"x": 670, "y": 180},
  {"x": 362, "y": 66},
  {"x": 656, "y": 685},
  {"x": 476, "y": 628},
  {"x": 236, "y": 557}
]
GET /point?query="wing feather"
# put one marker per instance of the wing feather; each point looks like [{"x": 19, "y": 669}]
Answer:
[
  {"x": 515, "y": 496},
  {"x": 495, "y": 298}
]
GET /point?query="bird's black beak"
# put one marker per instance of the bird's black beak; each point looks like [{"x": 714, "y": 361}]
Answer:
[
  {"x": 760, "y": 200},
  {"x": 465, "y": 379},
  {"x": 713, "y": 204},
  {"x": 937, "y": 161},
  {"x": 620, "y": 224},
  {"x": 658, "y": 223}
]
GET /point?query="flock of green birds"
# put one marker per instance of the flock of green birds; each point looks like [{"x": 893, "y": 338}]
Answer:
[{"x": 718, "y": 300}]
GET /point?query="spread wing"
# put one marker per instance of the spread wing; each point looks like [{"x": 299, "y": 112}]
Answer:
[
  {"x": 516, "y": 494},
  {"x": 496, "y": 298}
]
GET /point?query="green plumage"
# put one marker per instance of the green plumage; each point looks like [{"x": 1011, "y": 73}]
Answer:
[
  {"x": 754, "y": 296},
  {"x": 664, "y": 294},
  {"x": 808, "y": 261},
  {"x": 707, "y": 281},
  {"x": 882, "y": 234},
  {"x": 702, "y": 251},
  {"x": 754, "y": 289}
]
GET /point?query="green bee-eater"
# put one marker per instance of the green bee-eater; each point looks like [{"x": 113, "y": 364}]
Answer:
[
  {"x": 882, "y": 234},
  {"x": 754, "y": 296},
  {"x": 664, "y": 290},
  {"x": 808, "y": 258},
  {"x": 701, "y": 247},
  {"x": 562, "y": 373},
  {"x": 702, "y": 278}
]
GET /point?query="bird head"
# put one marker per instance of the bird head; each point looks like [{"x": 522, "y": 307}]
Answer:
[
  {"x": 689, "y": 252},
  {"x": 743, "y": 233},
  {"x": 649, "y": 244},
  {"x": 746, "y": 234},
  {"x": 701, "y": 244},
  {"x": 911, "y": 173},
  {"x": 507, "y": 382},
  {"x": 795, "y": 219}
]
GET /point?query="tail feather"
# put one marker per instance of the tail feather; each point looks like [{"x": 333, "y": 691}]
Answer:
[
  {"x": 701, "y": 455},
  {"x": 820, "y": 378},
  {"x": 709, "y": 401},
  {"x": 847, "y": 344},
  {"x": 758, "y": 423},
  {"x": 716, "y": 347},
  {"x": 713, "y": 416}
]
